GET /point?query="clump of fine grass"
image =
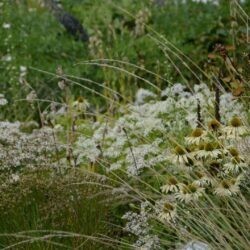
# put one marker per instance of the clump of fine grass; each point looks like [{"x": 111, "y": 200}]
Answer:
[{"x": 59, "y": 209}]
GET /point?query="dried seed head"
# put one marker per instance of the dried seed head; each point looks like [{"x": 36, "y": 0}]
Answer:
[
  {"x": 236, "y": 122},
  {"x": 199, "y": 174},
  {"x": 234, "y": 152},
  {"x": 167, "y": 207},
  {"x": 236, "y": 160},
  {"x": 80, "y": 99},
  {"x": 214, "y": 167},
  {"x": 179, "y": 150},
  {"x": 201, "y": 146},
  {"x": 209, "y": 146},
  {"x": 234, "y": 24},
  {"x": 172, "y": 180},
  {"x": 31, "y": 96},
  {"x": 225, "y": 184},
  {"x": 190, "y": 188},
  {"x": 197, "y": 132},
  {"x": 62, "y": 84},
  {"x": 214, "y": 125}
]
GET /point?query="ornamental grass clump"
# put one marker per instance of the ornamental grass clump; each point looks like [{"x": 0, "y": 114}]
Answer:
[{"x": 44, "y": 209}]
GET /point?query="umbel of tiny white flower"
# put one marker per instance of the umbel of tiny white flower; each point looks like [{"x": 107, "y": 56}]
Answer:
[
  {"x": 235, "y": 128},
  {"x": 168, "y": 212},
  {"x": 171, "y": 185},
  {"x": 189, "y": 192},
  {"x": 196, "y": 136},
  {"x": 3, "y": 101},
  {"x": 14, "y": 178},
  {"x": 6, "y": 25},
  {"x": 31, "y": 96}
]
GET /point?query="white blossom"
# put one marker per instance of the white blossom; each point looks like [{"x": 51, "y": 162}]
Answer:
[
  {"x": 143, "y": 95},
  {"x": 86, "y": 149},
  {"x": 3, "y": 101},
  {"x": 6, "y": 25},
  {"x": 7, "y": 58},
  {"x": 35, "y": 149}
]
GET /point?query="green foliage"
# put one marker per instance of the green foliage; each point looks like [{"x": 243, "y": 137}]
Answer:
[
  {"x": 36, "y": 40},
  {"x": 43, "y": 202}
]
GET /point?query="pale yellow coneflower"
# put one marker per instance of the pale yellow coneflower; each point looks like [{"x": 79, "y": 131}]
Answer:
[
  {"x": 227, "y": 187},
  {"x": 214, "y": 125},
  {"x": 168, "y": 212},
  {"x": 209, "y": 149},
  {"x": 234, "y": 152},
  {"x": 196, "y": 137},
  {"x": 236, "y": 162},
  {"x": 171, "y": 185},
  {"x": 189, "y": 192},
  {"x": 235, "y": 128},
  {"x": 81, "y": 104},
  {"x": 236, "y": 165},
  {"x": 202, "y": 179},
  {"x": 179, "y": 156}
]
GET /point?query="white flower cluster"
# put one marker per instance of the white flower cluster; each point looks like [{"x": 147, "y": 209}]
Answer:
[
  {"x": 186, "y": 102},
  {"x": 6, "y": 25},
  {"x": 122, "y": 147},
  {"x": 3, "y": 101},
  {"x": 181, "y": 105},
  {"x": 142, "y": 156},
  {"x": 148, "y": 242},
  {"x": 138, "y": 225},
  {"x": 134, "y": 141},
  {"x": 19, "y": 149},
  {"x": 144, "y": 95},
  {"x": 141, "y": 19},
  {"x": 22, "y": 74},
  {"x": 86, "y": 149}
]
